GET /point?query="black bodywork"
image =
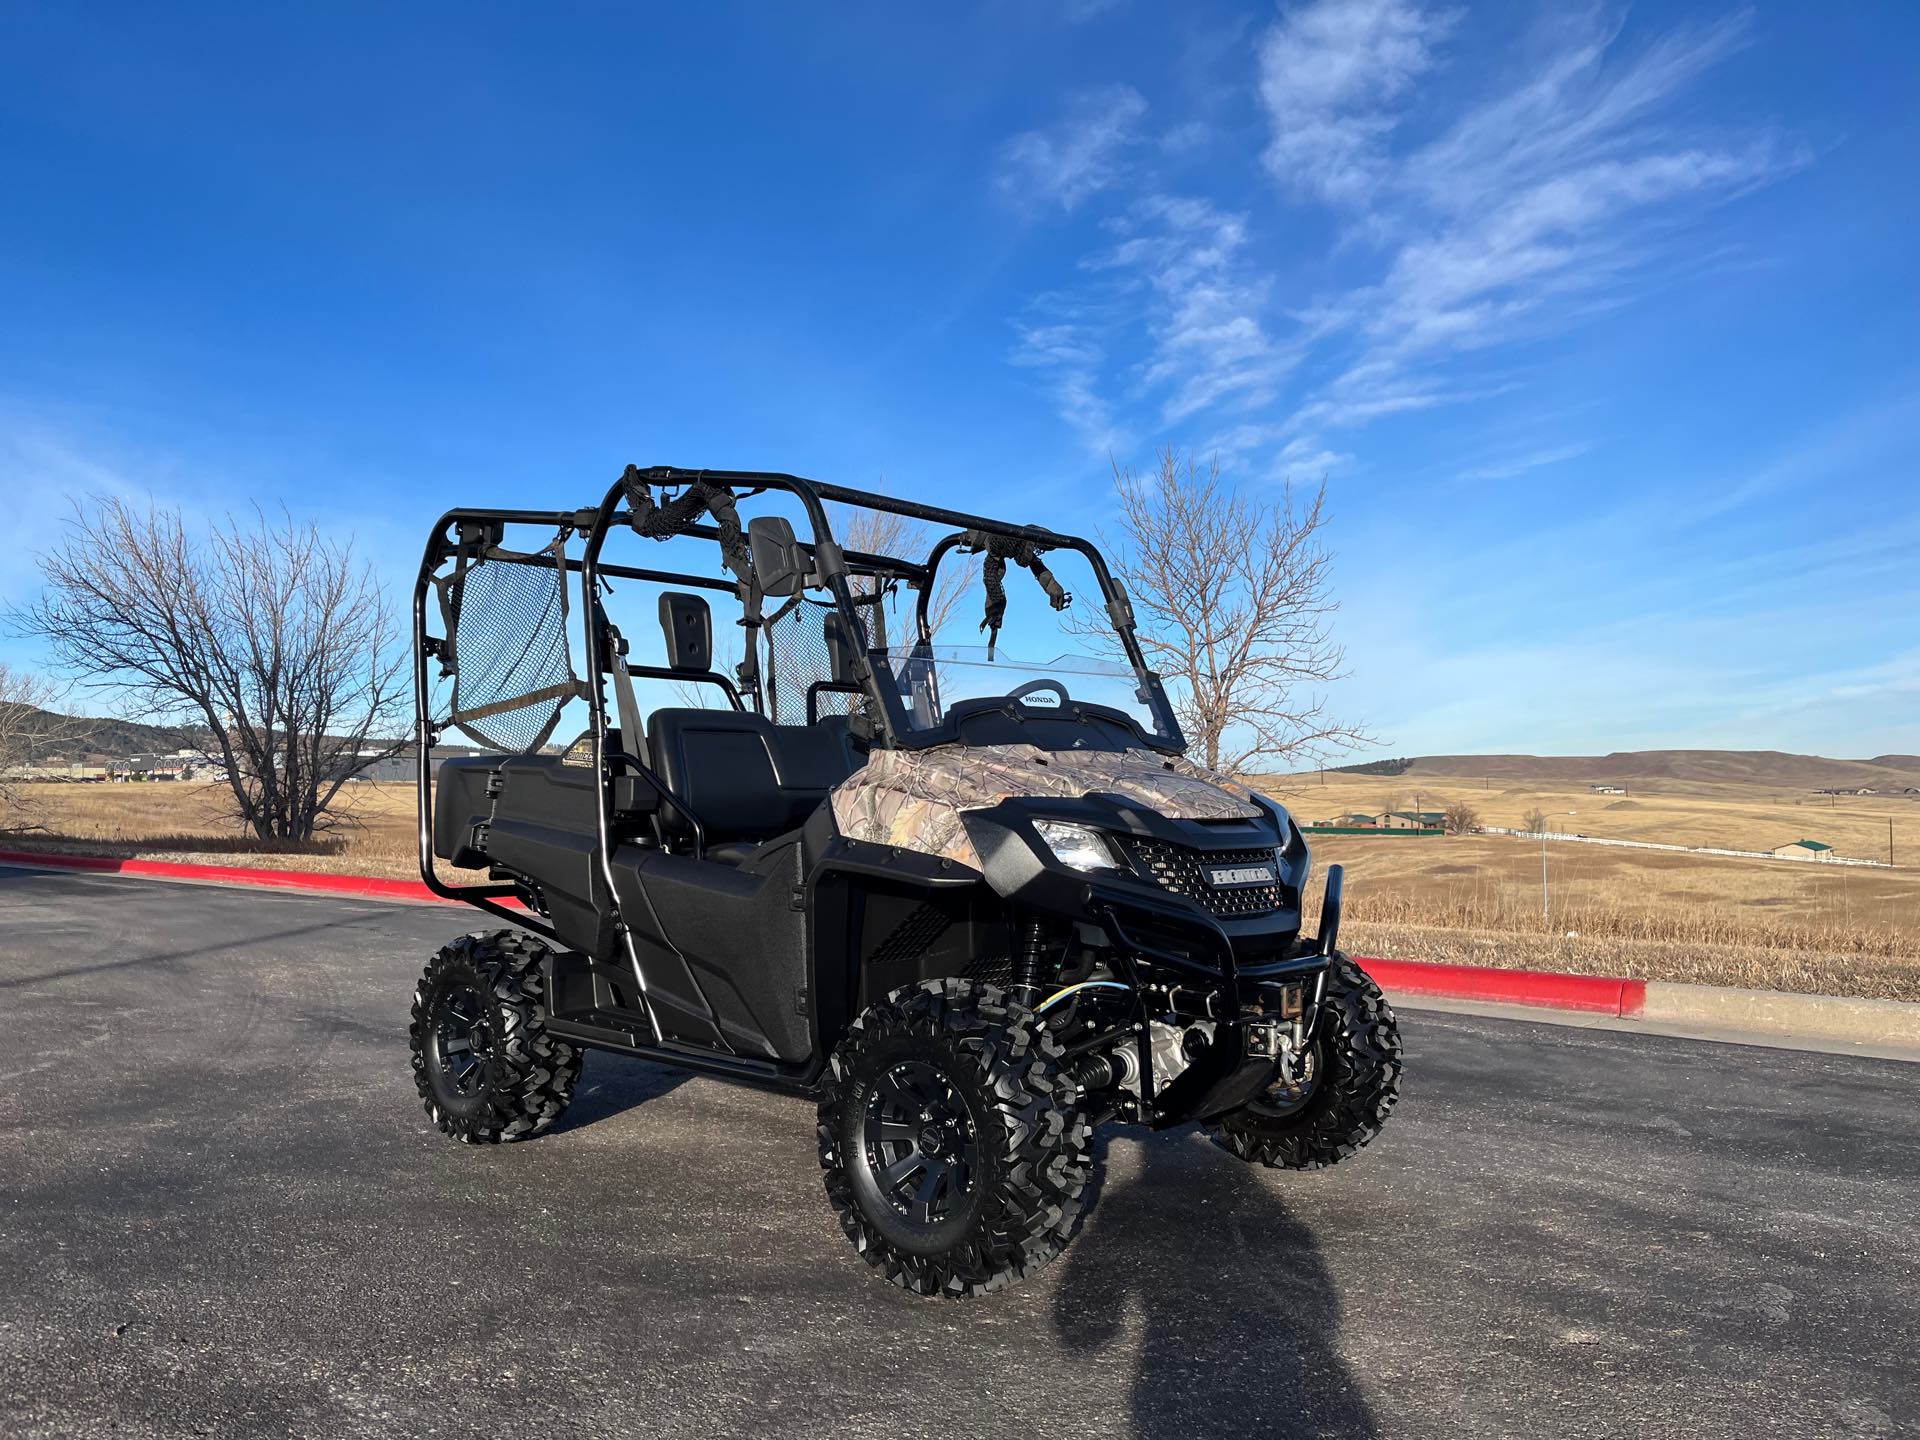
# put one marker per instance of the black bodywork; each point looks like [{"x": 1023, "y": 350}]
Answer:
[{"x": 705, "y": 911}]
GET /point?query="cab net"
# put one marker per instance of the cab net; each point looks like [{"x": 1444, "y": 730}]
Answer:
[
  {"x": 800, "y": 657},
  {"x": 507, "y": 647}
]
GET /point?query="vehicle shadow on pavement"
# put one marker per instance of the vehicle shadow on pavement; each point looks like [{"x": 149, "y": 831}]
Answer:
[
  {"x": 611, "y": 1086},
  {"x": 1239, "y": 1318}
]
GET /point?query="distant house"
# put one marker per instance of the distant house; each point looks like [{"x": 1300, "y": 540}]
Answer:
[
  {"x": 1352, "y": 822},
  {"x": 1413, "y": 820},
  {"x": 151, "y": 767},
  {"x": 1803, "y": 850},
  {"x": 1608, "y": 789},
  {"x": 56, "y": 769},
  {"x": 403, "y": 768}
]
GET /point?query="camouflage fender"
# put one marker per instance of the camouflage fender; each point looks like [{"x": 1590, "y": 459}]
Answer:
[{"x": 914, "y": 798}]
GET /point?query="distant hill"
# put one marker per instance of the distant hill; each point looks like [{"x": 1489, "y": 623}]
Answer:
[
  {"x": 1375, "y": 767},
  {"x": 74, "y": 737},
  {"x": 1755, "y": 767}
]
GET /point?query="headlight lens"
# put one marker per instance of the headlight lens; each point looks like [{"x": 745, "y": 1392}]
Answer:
[{"x": 1079, "y": 847}]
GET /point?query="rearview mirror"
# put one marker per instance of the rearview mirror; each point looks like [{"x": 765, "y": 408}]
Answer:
[{"x": 780, "y": 562}]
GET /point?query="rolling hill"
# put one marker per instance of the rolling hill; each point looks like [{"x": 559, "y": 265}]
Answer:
[{"x": 1752, "y": 767}]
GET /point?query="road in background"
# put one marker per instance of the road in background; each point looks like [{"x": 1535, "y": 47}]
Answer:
[{"x": 225, "y": 1213}]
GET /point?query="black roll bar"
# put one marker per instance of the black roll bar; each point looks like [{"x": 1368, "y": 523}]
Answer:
[{"x": 831, "y": 563}]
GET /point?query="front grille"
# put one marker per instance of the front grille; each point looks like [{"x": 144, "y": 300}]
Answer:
[{"x": 1184, "y": 871}]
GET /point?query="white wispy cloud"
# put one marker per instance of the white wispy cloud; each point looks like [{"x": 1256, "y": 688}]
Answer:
[
  {"x": 1209, "y": 340},
  {"x": 1520, "y": 464},
  {"x": 1530, "y": 210},
  {"x": 42, "y": 475},
  {"x": 1078, "y": 156},
  {"x": 1329, "y": 74},
  {"x": 1523, "y": 211},
  {"x": 1066, "y": 349}
]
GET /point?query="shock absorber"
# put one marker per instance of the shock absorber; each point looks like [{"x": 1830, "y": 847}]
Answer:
[{"x": 1029, "y": 963}]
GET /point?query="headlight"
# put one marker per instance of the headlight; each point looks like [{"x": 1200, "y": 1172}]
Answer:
[{"x": 1079, "y": 847}]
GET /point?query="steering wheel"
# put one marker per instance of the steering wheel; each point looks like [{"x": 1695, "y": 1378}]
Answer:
[{"x": 1033, "y": 686}]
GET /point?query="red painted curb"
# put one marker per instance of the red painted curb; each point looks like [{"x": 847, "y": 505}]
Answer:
[
  {"x": 366, "y": 886},
  {"x": 1597, "y": 994}
]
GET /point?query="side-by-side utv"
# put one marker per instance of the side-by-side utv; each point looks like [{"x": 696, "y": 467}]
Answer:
[{"x": 975, "y": 907}]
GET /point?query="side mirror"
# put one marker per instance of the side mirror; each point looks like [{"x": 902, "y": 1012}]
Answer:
[{"x": 780, "y": 562}]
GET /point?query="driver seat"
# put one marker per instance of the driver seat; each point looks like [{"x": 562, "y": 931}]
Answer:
[{"x": 747, "y": 779}]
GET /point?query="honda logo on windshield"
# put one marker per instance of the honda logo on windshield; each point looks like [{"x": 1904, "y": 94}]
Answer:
[{"x": 1224, "y": 875}]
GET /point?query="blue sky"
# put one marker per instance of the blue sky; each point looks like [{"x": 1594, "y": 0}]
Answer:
[{"x": 1600, "y": 328}]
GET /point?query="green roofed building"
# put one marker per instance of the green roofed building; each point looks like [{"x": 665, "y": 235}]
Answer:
[{"x": 1803, "y": 850}]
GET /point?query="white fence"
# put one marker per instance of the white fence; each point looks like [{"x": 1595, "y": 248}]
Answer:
[{"x": 1831, "y": 859}]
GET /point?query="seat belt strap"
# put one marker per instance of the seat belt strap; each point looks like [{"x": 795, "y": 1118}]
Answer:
[
  {"x": 632, "y": 737},
  {"x": 631, "y": 734}
]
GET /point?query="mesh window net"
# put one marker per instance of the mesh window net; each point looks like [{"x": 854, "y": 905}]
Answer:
[
  {"x": 798, "y": 657},
  {"x": 512, "y": 669}
]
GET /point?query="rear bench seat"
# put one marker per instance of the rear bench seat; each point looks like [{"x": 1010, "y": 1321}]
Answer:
[{"x": 747, "y": 779}]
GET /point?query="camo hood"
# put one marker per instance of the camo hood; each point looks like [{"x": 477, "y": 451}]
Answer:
[{"x": 914, "y": 798}]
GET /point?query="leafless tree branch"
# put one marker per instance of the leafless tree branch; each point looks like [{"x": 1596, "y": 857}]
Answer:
[
  {"x": 31, "y": 733},
  {"x": 880, "y": 532},
  {"x": 1234, "y": 606},
  {"x": 269, "y": 638}
]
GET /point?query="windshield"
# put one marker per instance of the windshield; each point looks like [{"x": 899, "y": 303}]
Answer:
[{"x": 931, "y": 682}]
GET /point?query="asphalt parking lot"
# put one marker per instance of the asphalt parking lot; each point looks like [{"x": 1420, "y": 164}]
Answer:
[{"x": 225, "y": 1214}]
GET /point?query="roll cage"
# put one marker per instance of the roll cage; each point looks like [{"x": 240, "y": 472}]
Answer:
[{"x": 476, "y": 531}]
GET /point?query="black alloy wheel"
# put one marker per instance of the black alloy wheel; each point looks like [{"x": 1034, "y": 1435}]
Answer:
[
  {"x": 956, "y": 1150},
  {"x": 1354, "y": 1084},
  {"x": 922, "y": 1143},
  {"x": 483, "y": 1062},
  {"x": 461, "y": 1053}
]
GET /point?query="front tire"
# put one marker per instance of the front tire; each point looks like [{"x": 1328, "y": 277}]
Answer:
[
  {"x": 1355, "y": 1050},
  {"x": 955, "y": 1151},
  {"x": 486, "y": 1069}
]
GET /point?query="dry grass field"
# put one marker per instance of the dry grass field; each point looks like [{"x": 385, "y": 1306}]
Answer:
[
  {"x": 1773, "y": 924},
  {"x": 191, "y": 821},
  {"x": 1725, "y": 814},
  {"x": 1768, "y": 923}
]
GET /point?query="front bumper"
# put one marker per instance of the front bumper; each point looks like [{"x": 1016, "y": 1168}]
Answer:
[
  {"x": 1169, "y": 932},
  {"x": 1249, "y": 992}
]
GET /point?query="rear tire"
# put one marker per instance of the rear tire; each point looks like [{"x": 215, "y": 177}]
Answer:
[
  {"x": 955, "y": 1151},
  {"x": 486, "y": 1069},
  {"x": 1356, "y": 1050}
]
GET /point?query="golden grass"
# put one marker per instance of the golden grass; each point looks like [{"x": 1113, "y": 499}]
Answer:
[
  {"x": 190, "y": 821},
  {"x": 1727, "y": 815},
  {"x": 1772, "y": 924},
  {"x": 1766, "y": 923}
]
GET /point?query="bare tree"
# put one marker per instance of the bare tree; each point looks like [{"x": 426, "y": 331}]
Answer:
[
  {"x": 1535, "y": 820},
  {"x": 1461, "y": 818},
  {"x": 880, "y": 532},
  {"x": 1391, "y": 801},
  {"x": 31, "y": 732},
  {"x": 1232, "y": 597},
  {"x": 270, "y": 639}
]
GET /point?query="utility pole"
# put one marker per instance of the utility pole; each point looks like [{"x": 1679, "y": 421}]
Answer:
[
  {"x": 1889, "y": 842},
  {"x": 1543, "y": 878}
]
